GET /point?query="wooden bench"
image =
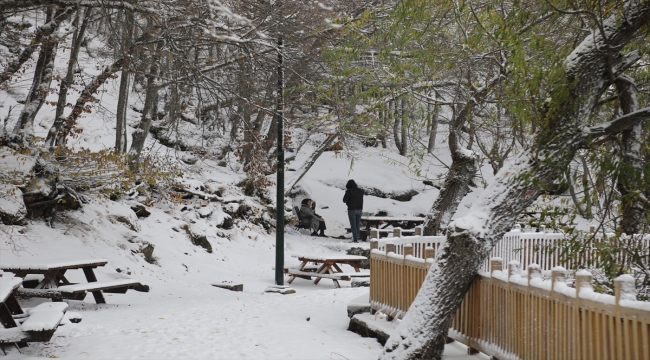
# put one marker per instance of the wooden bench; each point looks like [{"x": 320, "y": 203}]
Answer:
[
  {"x": 115, "y": 286},
  {"x": 335, "y": 276},
  {"x": 20, "y": 326}
]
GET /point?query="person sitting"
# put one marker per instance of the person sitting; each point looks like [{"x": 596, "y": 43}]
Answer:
[{"x": 310, "y": 220}]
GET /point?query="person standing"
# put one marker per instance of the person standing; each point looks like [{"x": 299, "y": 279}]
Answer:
[{"x": 354, "y": 199}]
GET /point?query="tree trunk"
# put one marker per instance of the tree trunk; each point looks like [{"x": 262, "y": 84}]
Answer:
[
  {"x": 432, "y": 125},
  {"x": 422, "y": 332},
  {"x": 396, "y": 123},
  {"x": 81, "y": 105},
  {"x": 24, "y": 129},
  {"x": 77, "y": 38},
  {"x": 457, "y": 182},
  {"x": 123, "y": 97},
  {"x": 404, "y": 127},
  {"x": 630, "y": 178},
  {"x": 42, "y": 36},
  {"x": 140, "y": 133}
]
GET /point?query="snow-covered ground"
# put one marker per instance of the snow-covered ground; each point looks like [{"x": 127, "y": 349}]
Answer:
[{"x": 183, "y": 316}]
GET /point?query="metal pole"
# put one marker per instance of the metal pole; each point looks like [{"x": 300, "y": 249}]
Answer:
[{"x": 279, "y": 232}]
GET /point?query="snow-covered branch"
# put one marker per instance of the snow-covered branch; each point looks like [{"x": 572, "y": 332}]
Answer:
[{"x": 619, "y": 124}]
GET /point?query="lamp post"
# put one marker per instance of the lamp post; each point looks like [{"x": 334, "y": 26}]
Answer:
[{"x": 279, "y": 232}]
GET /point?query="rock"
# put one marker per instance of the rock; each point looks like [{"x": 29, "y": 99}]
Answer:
[
  {"x": 140, "y": 210},
  {"x": 280, "y": 289},
  {"x": 12, "y": 206},
  {"x": 131, "y": 225},
  {"x": 198, "y": 238},
  {"x": 205, "y": 212},
  {"x": 227, "y": 223},
  {"x": 68, "y": 202},
  {"x": 363, "y": 252},
  {"x": 360, "y": 282},
  {"x": 229, "y": 286}
]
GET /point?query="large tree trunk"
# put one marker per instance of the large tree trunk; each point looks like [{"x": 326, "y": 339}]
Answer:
[
  {"x": 463, "y": 169},
  {"x": 458, "y": 180},
  {"x": 77, "y": 39},
  {"x": 140, "y": 133},
  {"x": 630, "y": 179},
  {"x": 422, "y": 332},
  {"x": 24, "y": 129},
  {"x": 123, "y": 97}
]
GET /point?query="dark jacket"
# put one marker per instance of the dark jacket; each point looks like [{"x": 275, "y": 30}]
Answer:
[{"x": 353, "y": 196}]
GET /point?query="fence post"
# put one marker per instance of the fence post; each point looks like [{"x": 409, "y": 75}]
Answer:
[
  {"x": 408, "y": 250},
  {"x": 624, "y": 289},
  {"x": 374, "y": 244},
  {"x": 419, "y": 230},
  {"x": 531, "y": 346},
  {"x": 514, "y": 302},
  {"x": 429, "y": 252},
  {"x": 374, "y": 233},
  {"x": 397, "y": 232},
  {"x": 406, "y": 282},
  {"x": 558, "y": 275},
  {"x": 514, "y": 267},
  {"x": 583, "y": 283},
  {"x": 390, "y": 247}
]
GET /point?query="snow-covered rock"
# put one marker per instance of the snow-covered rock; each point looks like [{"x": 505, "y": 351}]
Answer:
[{"x": 12, "y": 207}]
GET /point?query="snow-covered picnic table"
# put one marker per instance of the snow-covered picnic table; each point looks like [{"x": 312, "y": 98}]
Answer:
[
  {"x": 383, "y": 222},
  {"x": 325, "y": 266},
  {"x": 55, "y": 285},
  {"x": 31, "y": 325}
]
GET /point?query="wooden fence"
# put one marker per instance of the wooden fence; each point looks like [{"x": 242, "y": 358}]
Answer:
[
  {"x": 545, "y": 249},
  {"x": 515, "y": 314}
]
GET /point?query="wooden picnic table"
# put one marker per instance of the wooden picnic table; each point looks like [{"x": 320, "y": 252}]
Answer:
[
  {"x": 56, "y": 286},
  {"x": 326, "y": 266},
  {"x": 383, "y": 222},
  {"x": 19, "y": 325}
]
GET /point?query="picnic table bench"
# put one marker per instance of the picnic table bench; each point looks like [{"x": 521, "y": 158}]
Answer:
[
  {"x": 326, "y": 267},
  {"x": 55, "y": 285},
  {"x": 19, "y": 325},
  {"x": 382, "y": 224}
]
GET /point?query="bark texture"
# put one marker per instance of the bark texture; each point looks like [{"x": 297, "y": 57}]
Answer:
[{"x": 421, "y": 334}]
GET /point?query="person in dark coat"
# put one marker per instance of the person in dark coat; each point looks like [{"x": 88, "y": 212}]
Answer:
[
  {"x": 354, "y": 199},
  {"x": 310, "y": 220}
]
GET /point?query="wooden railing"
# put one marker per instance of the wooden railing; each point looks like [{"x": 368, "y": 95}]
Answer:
[
  {"x": 545, "y": 249},
  {"x": 516, "y": 314}
]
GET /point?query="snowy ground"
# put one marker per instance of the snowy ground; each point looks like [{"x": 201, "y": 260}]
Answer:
[{"x": 183, "y": 316}]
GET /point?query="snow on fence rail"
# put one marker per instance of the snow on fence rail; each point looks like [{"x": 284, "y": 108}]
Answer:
[
  {"x": 542, "y": 248},
  {"x": 518, "y": 315}
]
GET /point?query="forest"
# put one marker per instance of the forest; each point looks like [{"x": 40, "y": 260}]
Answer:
[{"x": 538, "y": 106}]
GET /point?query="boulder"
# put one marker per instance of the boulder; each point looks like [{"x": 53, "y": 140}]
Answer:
[
  {"x": 140, "y": 210},
  {"x": 12, "y": 206}
]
